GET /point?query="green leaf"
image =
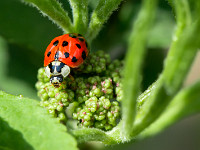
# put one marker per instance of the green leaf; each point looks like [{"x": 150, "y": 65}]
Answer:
[
  {"x": 133, "y": 63},
  {"x": 55, "y": 12},
  {"x": 13, "y": 137},
  {"x": 38, "y": 128},
  {"x": 80, "y": 15},
  {"x": 100, "y": 15}
]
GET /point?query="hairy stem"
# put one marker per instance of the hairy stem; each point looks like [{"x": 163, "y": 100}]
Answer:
[
  {"x": 177, "y": 57},
  {"x": 133, "y": 63},
  {"x": 92, "y": 134},
  {"x": 80, "y": 15}
]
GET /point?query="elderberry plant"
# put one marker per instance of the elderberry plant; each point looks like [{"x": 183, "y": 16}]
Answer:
[{"x": 102, "y": 100}]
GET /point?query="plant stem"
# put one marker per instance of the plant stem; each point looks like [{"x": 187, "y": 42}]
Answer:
[
  {"x": 144, "y": 96},
  {"x": 172, "y": 78},
  {"x": 176, "y": 68},
  {"x": 183, "y": 14},
  {"x": 133, "y": 64},
  {"x": 55, "y": 12},
  {"x": 185, "y": 103},
  {"x": 93, "y": 134},
  {"x": 80, "y": 15}
]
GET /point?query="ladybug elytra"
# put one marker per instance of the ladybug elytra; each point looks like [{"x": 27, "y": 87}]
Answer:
[{"x": 65, "y": 51}]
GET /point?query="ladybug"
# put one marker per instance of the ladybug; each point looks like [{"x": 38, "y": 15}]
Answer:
[{"x": 65, "y": 51}]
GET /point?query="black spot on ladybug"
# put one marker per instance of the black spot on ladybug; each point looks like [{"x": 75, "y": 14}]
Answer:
[
  {"x": 79, "y": 34},
  {"x": 65, "y": 43},
  {"x": 55, "y": 43},
  {"x": 72, "y": 35},
  {"x": 66, "y": 54},
  {"x": 86, "y": 44},
  {"x": 81, "y": 39},
  {"x": 78, "y": 45},
  {"x": 59, "y": 67},
  {"x": 83, "y": 55},
  {"x": 74, "y": 59},
  {"x": 48, "y": 54},
  {"x": 56, "y": 55}
]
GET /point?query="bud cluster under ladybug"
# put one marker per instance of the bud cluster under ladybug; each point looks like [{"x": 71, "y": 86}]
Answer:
[{"x": 94, "y": 89}]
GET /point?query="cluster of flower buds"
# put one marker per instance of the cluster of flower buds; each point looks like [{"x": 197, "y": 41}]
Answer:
[{"x": 96, "y": 88}]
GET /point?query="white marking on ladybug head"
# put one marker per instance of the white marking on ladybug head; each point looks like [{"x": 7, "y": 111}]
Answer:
[
  {"x": 65, "y": 71},
  {"x": 47, "y": 71},
  {"x": 56, "y": 71}
]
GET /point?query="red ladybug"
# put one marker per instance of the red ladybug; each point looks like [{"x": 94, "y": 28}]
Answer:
[{"x": 65, "y": 51}]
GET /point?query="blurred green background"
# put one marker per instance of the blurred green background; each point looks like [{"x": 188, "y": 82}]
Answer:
[{"x": 25, "y": 34}]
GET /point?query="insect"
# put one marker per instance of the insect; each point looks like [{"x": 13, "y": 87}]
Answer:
[{"x": 64, "y": 52}]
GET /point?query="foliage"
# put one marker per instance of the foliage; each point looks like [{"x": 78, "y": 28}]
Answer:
[
  {"x": 22, "y": 116},
  {"x": 143, "y": 114}
]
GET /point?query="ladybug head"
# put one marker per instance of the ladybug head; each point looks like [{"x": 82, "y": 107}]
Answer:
[
  {"x": 56, "y": 80},
  {"x": 56, "y": 71}
]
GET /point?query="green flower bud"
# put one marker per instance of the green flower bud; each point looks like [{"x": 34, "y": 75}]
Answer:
[
  {"x": 108, "y": 127},
  {"x": 59, "y": 108},
  {"x": 61, "y": 116},
  {"x": 44, "y": 97}
]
